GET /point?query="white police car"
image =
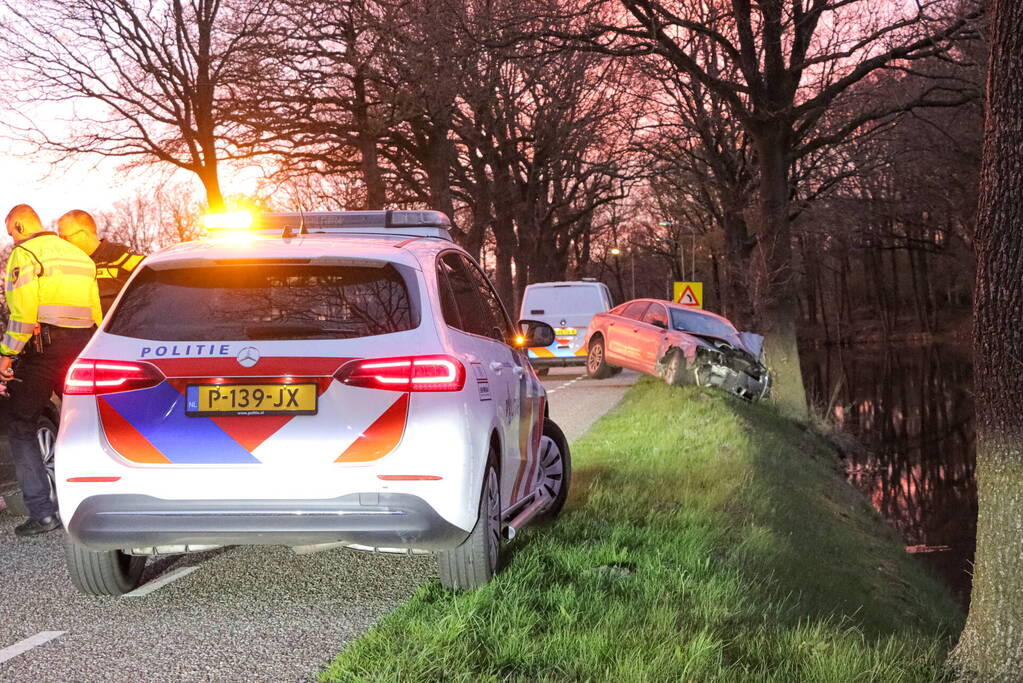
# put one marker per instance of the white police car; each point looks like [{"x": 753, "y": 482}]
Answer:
[{"x": 321, "y": 379}]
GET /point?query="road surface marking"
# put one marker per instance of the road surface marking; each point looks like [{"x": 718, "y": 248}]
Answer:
[
  {"x": 565, "y": 385},
  {"x": 159, "y": 583},
  {"x": 24, "y": 646}
]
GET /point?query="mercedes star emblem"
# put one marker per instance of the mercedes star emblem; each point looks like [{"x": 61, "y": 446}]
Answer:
[{"x": 248, "y": 356}]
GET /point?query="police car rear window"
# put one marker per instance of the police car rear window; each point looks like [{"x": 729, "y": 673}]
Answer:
[{"x": 255, "y": 301}]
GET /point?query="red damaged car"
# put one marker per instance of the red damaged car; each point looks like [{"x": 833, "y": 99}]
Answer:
[{"x": 680, "y": 344}]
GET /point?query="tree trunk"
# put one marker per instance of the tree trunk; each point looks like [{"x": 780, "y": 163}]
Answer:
[
  {"x": 720, "y": 298},
  {"x": 777, "y": 287},
  {"x": 845, "y": 305},
  {"x": 991, "y": 647},
  {"x": 211, "y": 183},
  {"x": 205, "y": 130},
  {"x": 504, "y": 253},
  {"x": 438, "y": 169},
  {"x": 737, "y": 268},
  {"x": 376, "y": 193},
  {"x": 875, "y": 281},
  {"x": 810, "y": 282},
  {"x": 894, "y": 286}
]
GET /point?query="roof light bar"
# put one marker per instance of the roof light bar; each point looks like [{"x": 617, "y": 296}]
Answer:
[
  {"x": 228, "y": 220},
  {"x": 411, "y": 223},
  {"x": 355, "y": 219},
  {"x": 235, "y": 224},
  {"x": 417, "y": 219}
]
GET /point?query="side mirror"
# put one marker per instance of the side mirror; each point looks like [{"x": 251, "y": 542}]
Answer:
[
  {"x": 660, "y": 324},
  {"x": 534, "y": 333}
]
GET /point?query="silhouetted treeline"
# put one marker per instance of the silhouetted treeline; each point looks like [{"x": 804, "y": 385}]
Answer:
[{"x": 789, "y": 154}]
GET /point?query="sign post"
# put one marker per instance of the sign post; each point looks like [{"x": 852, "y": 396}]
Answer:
[{"x": 689, "y": 294}]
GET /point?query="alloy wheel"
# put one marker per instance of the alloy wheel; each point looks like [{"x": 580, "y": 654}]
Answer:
[
  {"x": 596, "y": 358},
  {"x": 552, "y": 467}
]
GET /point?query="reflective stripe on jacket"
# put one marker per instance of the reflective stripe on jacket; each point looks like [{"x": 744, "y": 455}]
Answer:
[
  {"x": 114, "y": 263},
  {"x": 48, "y": 281}
]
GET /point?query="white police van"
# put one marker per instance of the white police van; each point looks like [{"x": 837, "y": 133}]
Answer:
[{"x": 568, "y": 307}]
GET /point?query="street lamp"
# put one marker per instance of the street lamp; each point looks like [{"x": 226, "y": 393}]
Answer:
[
  {"x": 615, "y": 251},
  {"x": 681, "y": 244}
]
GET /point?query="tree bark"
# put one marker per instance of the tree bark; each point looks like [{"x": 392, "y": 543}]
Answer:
[{"x": 991, "y": 646}]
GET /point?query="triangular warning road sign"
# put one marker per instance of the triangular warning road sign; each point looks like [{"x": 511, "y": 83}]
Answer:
[{"x": 688, "y": 298}]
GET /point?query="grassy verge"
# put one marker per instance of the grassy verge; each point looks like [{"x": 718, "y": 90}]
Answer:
[{"x": 706, "y": 539}]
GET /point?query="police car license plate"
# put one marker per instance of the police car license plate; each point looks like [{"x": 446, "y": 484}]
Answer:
[
  {"x": 211, "y": 400},
  {"x": 565, "y": 331}
]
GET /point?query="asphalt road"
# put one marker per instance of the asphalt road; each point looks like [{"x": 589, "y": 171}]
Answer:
[{"x": 253, "y": 614}]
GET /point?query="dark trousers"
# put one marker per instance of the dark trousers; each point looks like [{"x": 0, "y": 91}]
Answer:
[{"x": 41, "y": 374}]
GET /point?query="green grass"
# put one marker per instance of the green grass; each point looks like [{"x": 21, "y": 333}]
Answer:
[{"x": 705, "y": 539}]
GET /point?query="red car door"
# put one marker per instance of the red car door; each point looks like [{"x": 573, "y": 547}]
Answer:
[
  {"x": 622, "y": 348},
  {"x": 649, "y": 334}
]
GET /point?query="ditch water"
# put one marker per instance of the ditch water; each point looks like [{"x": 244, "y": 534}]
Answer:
[{"x": 912, "y": 409}]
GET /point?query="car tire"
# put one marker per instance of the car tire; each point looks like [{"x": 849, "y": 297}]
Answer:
[
  {"x": 555, "y": 468},
  {"x": 542, "y": 372},
  {"x": 46, "y": 434},
  {"x": 674, "y": 371},
  {"x": 596, "y": 360},
  {"x": 104, "y": 572},
  {"x": 475, "y": 562}
]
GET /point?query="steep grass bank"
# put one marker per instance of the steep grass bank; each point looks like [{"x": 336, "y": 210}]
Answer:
[{"x": 706, "y": 539}]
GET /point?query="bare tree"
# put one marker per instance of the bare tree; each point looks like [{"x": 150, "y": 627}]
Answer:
[
  {"x": 701, "y": 177},
  {"x": 153, "y": 218},
  {"x": 784, "y": 65},
  {"x": 315, "y": 98},
  {"x": 543, "y": 139},
  {"x": 148, "y": 80}
]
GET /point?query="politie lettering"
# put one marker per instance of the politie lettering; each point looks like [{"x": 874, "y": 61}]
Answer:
[{"x": 186, "y": 350}]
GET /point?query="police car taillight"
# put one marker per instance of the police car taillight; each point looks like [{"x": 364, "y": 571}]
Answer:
[
  {"x": 413, "y": 373},
  {"x": 90, "y": 377}
]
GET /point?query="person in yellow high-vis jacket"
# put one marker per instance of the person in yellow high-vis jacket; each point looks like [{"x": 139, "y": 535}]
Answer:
[
  {"x": 54, "y": 306},
  {"x": 114, "y": 262}
]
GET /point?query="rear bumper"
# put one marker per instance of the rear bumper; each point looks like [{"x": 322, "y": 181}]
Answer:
[
  {"x": 558, "y": 361},
  {"x": 379, "y": 520}
]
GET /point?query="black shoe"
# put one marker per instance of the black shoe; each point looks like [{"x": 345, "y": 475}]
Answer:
[{"x": 35, "y": 527}]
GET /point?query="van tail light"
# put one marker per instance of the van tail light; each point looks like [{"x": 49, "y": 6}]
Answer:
[
  {"x": 415, "y": 373},
  {"x": 91, "y": 377}
]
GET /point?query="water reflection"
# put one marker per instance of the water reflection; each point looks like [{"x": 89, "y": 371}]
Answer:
[{"x": 912, "y": 408}]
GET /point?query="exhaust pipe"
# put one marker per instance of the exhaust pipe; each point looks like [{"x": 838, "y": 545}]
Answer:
[{"x": 541, "y": 501}]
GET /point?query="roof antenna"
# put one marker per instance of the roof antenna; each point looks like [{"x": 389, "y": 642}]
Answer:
[{"x": 288, "y": 234}]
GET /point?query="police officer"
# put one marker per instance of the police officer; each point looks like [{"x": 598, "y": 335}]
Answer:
[
  {"x": 114, "y": 262},
  {"x": 54, "y": 303}
]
